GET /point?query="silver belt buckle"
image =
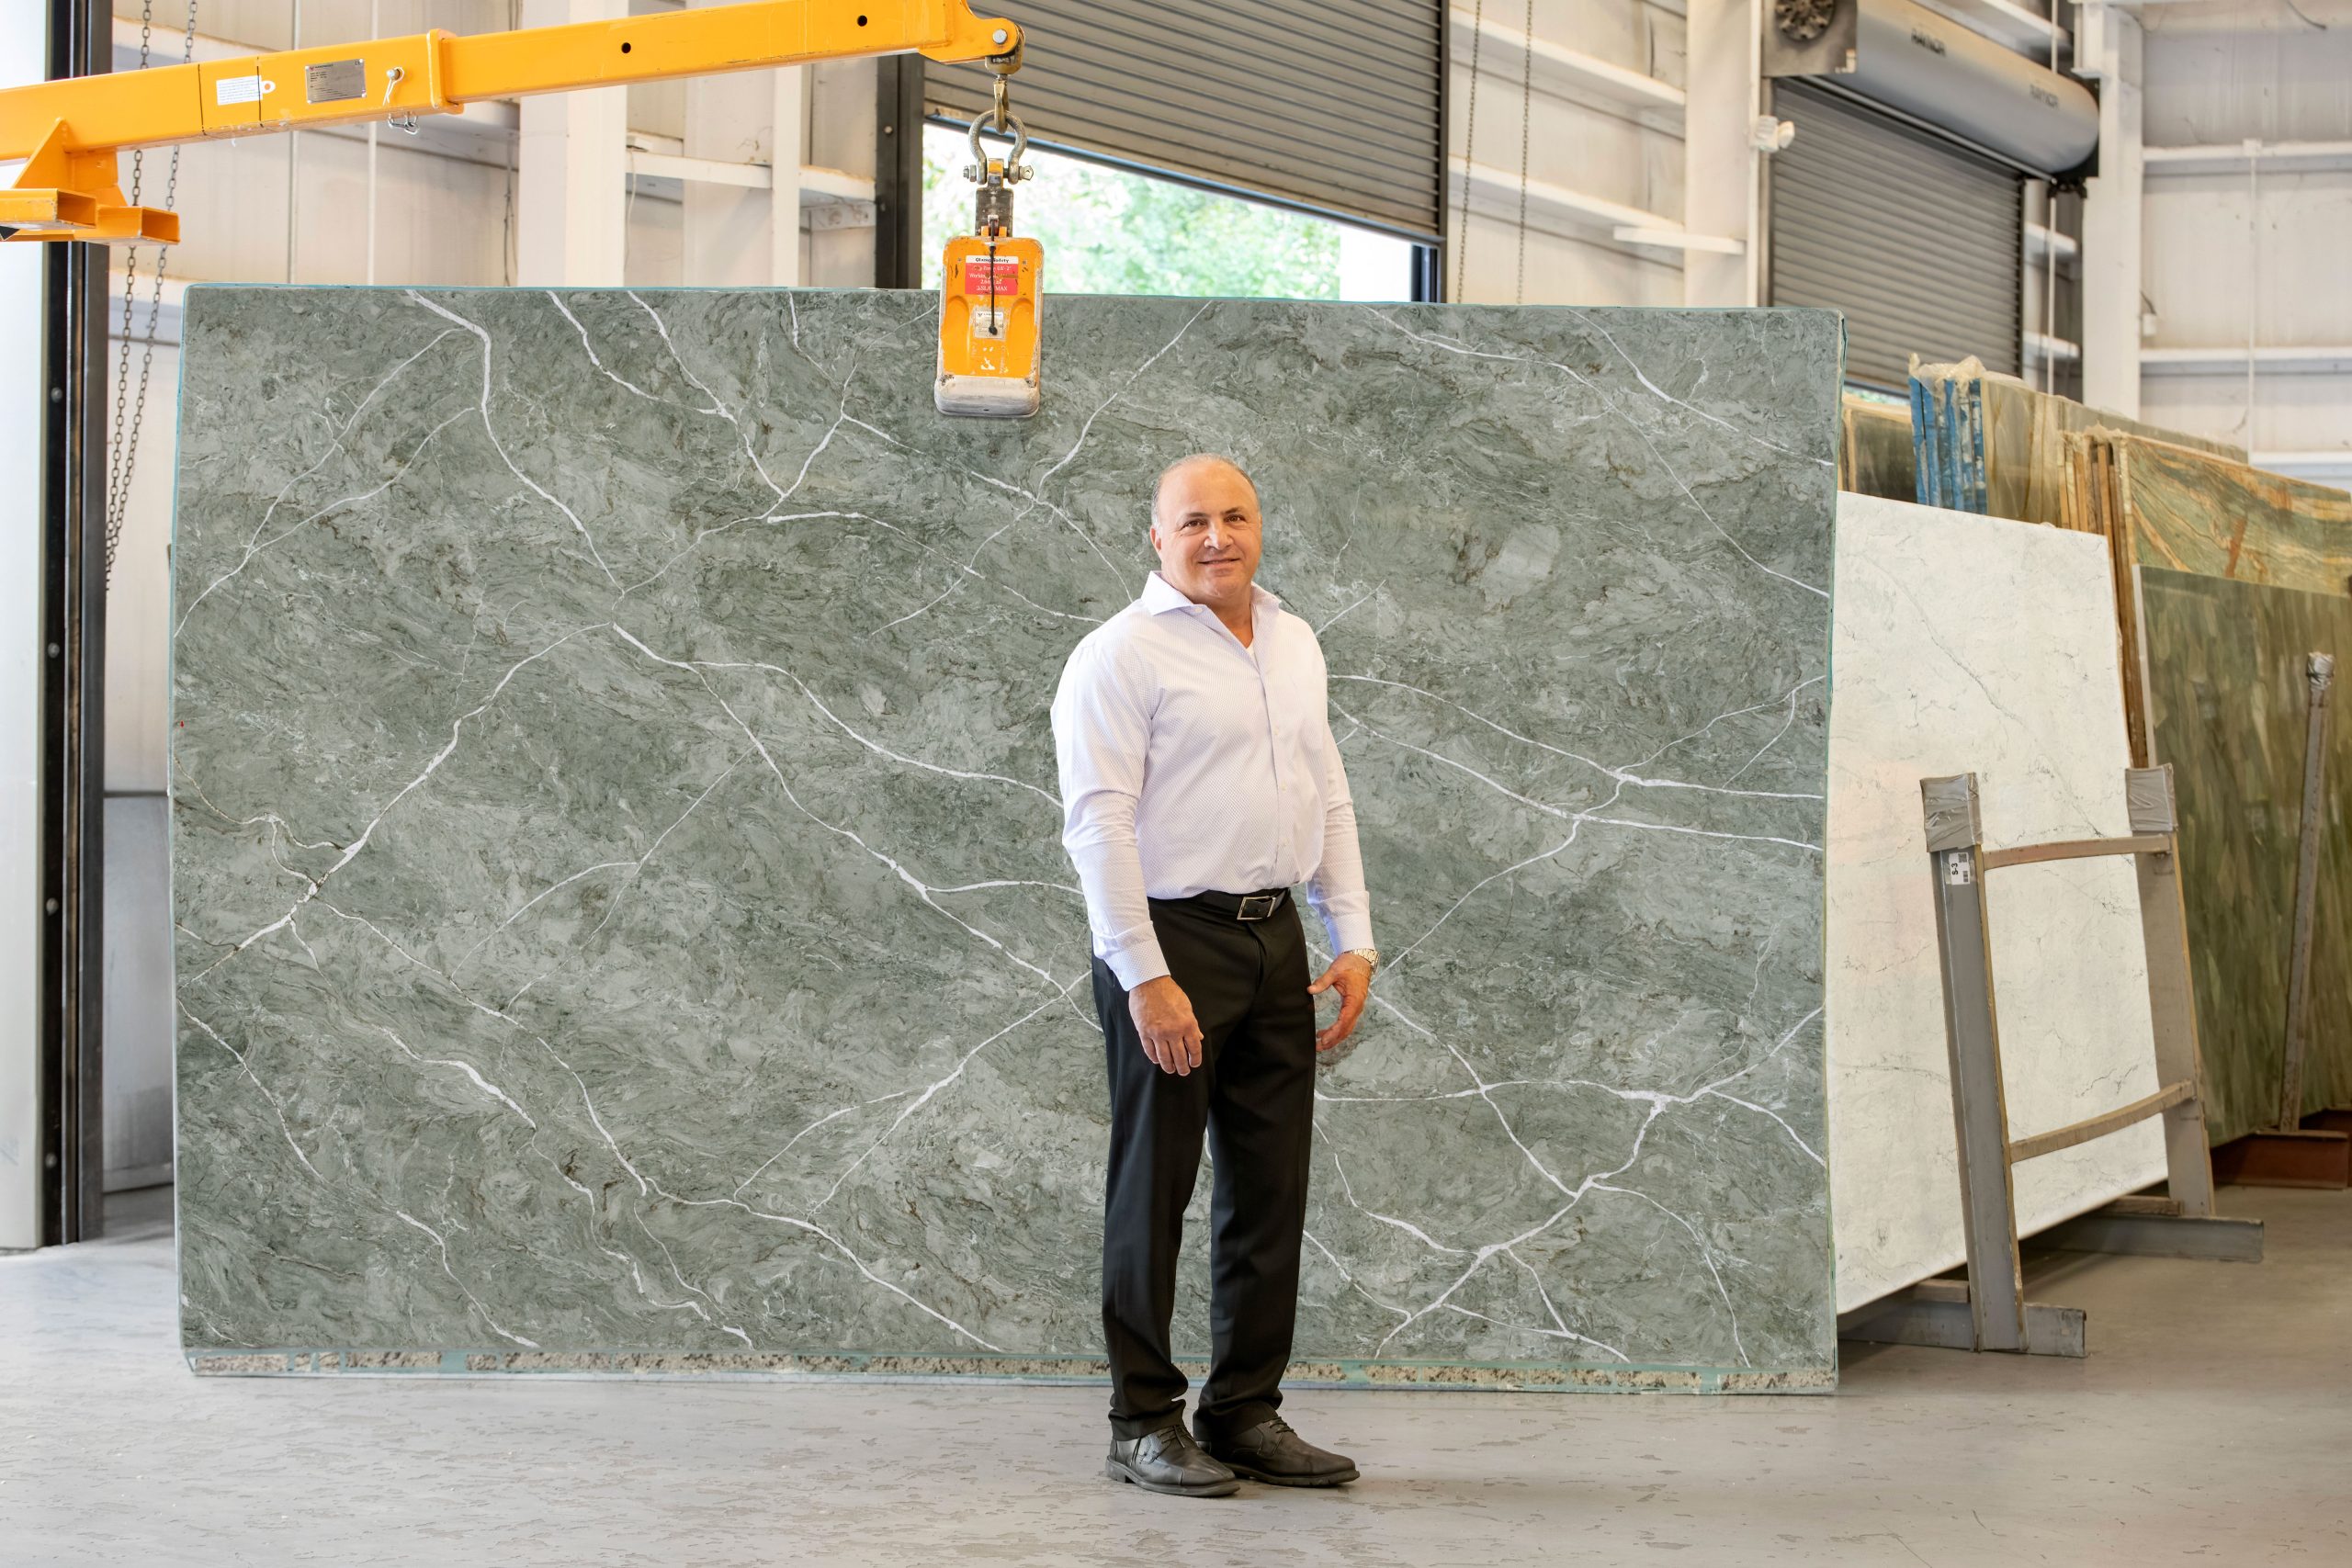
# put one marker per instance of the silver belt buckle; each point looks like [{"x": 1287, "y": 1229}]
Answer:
[{"x": 1259, "y": 906}]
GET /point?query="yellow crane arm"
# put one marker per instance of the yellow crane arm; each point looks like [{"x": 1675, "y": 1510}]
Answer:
[{"x": 70, "y": 130}]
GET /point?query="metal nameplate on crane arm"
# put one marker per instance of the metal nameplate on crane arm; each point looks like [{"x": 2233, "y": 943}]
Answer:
[{"x": 335, "y": 81}]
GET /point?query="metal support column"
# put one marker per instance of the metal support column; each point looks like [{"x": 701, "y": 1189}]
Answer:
[
  {"x": 1427, "y": 285},
  {"x": 72, "y": 672},
  {"x": 1428, "y": 281},
  {"x": 572, "y": 171},
  {"x": 898, "y": 172}
]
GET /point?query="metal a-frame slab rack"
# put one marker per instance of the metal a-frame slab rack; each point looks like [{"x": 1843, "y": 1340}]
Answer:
[{"x": 1988, "y": 1310}]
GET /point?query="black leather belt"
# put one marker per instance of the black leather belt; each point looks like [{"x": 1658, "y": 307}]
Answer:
[{"x": 1242, "y": 905}]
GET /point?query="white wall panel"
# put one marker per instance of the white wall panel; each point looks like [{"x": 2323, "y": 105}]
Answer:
[
  {"x": 657, "y": 242},
  {"x": 838, "y": 134},
  {"x": 139, "y": 590},
  {"x": 138, "y": 1110},
  {"x": 23, "y": 35},
  {"x": 269, "y": 24},
  {"x": 2293, "y": 413},
  {"x": 2216, "y": 73},
  {"x": 438, "y": 219},
  {"x": 1561, "y": 269},
  {"x": 2279, "y": 240},
  {"x": 1578, "y": 139},
  {"x": 658, "y": 107},
  {"x": 2249, "y": 254}
]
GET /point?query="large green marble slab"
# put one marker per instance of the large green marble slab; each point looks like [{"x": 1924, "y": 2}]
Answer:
[
  {"x": 2228, "y": 702},
  {"x": 621, "y": 912}
]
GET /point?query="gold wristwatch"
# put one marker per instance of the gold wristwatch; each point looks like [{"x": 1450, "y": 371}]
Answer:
[{"x": 1371, "y": 956}]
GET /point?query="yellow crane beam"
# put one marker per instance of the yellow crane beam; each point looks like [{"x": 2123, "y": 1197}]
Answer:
[{"x": 71, "y": 131}]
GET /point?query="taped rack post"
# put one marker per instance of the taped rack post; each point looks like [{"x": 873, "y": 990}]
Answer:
[
  {"x": 2290, "y": 1153},
  {"x": 1988, "y": 1311},
  {"x": 2319, "y": 675}
]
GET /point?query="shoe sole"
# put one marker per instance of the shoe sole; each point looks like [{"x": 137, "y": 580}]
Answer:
[
  {"x": 1269, "y": 1477},
  {"x": 1118, "y": 1471}
]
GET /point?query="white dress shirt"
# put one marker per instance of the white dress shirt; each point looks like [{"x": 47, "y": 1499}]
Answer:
[{"x": 1192, "y": 764}]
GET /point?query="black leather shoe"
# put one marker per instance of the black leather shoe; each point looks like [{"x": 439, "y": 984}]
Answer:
[
  {"x": 1168, "y": 1461},
  {"x": 1272, "y": 1453}
]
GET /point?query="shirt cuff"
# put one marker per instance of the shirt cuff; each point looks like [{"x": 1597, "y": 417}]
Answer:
[
  {"x": 1138, "y": 964},
  {"x": 1348, "y": 932}
]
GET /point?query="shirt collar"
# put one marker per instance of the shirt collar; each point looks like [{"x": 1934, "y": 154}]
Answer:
[{"x": 1159, "y": 596}]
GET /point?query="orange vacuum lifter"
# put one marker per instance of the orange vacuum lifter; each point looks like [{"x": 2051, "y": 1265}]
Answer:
[
  {"x": 989, "y": 317},
  {"x": 69, "y": 131}
]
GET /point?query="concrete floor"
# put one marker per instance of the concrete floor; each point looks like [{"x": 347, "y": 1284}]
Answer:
[{"x": 2213, "y": 1420}]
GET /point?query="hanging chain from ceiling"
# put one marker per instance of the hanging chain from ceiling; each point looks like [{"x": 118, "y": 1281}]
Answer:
[
  {"x": 123, "y": 454},
  {"x": 1526, "y": 109},
  {"x": 1469, "y": 150}
]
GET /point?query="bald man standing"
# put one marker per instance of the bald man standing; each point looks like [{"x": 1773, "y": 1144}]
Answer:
[{"x": 1201, "y": 785}]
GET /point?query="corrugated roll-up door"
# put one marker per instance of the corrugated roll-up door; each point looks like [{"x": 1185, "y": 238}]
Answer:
[
  {"x": 1329, "y": 104},
  {"x": 1919, "y": 242}
]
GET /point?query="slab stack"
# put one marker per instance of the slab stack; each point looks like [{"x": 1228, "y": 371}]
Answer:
[
  {"x": 2182, "y": 509},
  {"x": 1990, "y": 444},
  {"x": 2229, "y": 578}
]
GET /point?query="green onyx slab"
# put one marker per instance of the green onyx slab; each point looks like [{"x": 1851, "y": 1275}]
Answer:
[
  {"x": 2229, "y": 694},
  {"x": 622, "y": 920}
]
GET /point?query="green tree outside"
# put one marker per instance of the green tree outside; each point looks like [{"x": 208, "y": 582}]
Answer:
[{"x": 1109, "y": 231}]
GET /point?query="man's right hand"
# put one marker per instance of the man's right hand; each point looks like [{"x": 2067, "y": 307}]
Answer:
[{"x": 1163, "y": 1015}]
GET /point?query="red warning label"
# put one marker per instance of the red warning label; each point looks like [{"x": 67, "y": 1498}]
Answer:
[{"x": 1001, "y": 277}]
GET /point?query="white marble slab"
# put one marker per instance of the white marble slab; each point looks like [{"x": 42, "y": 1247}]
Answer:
[{"x": 1972, "y": 644}]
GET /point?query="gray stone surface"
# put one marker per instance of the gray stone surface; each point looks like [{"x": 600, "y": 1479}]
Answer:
[{"x": 618, "y": 894}]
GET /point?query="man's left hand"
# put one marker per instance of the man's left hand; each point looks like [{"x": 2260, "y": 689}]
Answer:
[{"x": 1352, "y": 978}]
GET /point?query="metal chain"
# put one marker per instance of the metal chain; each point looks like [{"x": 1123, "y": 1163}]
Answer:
[
  {"x": 130, "y": 287},
  {"x": 1526, "y": 110},
  {"x": 123, "y": 454},
  {"x": 1469, "y": 150}
]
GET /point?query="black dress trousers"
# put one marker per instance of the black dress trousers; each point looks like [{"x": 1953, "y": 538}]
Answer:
[{"x": 1254, "y": 1096}]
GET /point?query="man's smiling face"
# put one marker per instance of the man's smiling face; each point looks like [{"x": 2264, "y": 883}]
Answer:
[{"x": 1205, "y": 525}]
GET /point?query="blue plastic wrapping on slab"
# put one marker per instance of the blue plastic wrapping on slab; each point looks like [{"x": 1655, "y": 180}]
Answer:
[{"x": 1991, "y": 444}]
